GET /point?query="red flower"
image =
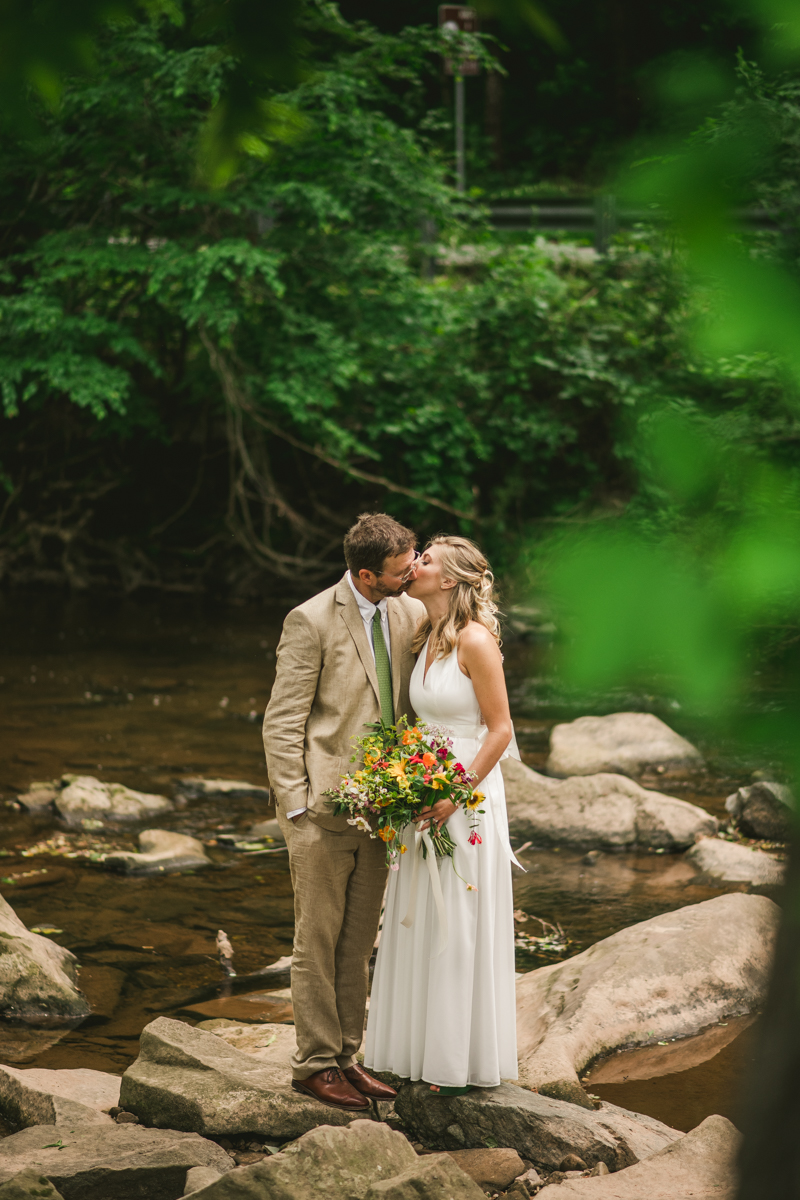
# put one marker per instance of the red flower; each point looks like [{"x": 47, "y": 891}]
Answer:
[
  {"x": 441, "y": 752},
  {"x": 458, "y": 767},
  {"x": 416, "y": 759},
  {"x": 474, "y": 838},
  {"x": 426, "y": 778}
]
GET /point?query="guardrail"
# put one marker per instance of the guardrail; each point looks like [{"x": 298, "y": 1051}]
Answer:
[{"x": 602, "y": 217}]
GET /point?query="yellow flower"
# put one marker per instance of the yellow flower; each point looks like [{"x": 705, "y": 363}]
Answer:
[
  {"x": 475, "y": 800},
  {"x": 439, "y": 781},
  {"x": 397, "y": 768},
  {"x": 403, "y": 849}
]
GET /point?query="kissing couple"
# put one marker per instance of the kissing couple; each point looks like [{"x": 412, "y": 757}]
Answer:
[{"x": 414, "y": 635}]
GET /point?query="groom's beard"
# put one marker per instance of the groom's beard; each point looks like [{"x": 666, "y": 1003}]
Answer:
[{"x": 390, "y": 592}]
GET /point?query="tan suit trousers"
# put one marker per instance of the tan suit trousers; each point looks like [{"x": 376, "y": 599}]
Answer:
[{"x": 339, "y": 880}]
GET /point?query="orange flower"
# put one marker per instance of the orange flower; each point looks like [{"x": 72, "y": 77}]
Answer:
[
  {"x": 387, "y": 834},
  {"x": 428, "y": 759}
]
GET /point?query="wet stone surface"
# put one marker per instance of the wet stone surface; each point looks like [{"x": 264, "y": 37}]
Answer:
[{"x": 147, "y": 694}]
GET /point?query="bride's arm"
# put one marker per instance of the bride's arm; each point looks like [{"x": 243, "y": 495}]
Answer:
[{"x": 480, "y": 659}]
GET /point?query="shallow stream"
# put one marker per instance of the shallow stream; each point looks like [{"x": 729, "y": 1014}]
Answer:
[{"x": 146, "y": 693}]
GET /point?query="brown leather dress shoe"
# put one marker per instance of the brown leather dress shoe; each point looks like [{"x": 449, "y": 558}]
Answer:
[
  {"x": 365, "y": 1083},
  {"x": 331, "y": 1088}
]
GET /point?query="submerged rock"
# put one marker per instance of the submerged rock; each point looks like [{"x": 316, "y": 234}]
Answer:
[
  {"x": 538, "y": 1127},
  {"x": 187, "y": 1078},
  {"x": 701, "y": 1166},
  {"x": 667, "y": 977},
  {"x": 42, "y": 1097},
  {"x": 160, "y": 851},
  {"x": 37, "y": 976},
  {"x": 195, "y": 788},
  {"x": 626, "y": 743},
  {"x": 327, "y": 1164},
  {"x": 83, "y": 796},
  {"x": 599, "y": 810},
  {"x": 763, "y": 810},
  {"x": 96, "y": 1162},
  {"x": 266, "y": 830},
  {"x": 733, "y": 863}
]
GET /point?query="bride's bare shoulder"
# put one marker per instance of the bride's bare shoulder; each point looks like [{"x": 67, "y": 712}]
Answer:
[{"x": 477, "y": 638}]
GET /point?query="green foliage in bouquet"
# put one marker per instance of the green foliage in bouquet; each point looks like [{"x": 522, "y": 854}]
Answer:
[{"x": 406, "y": 770}]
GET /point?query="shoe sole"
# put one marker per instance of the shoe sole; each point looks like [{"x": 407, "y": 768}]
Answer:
[{"x": 297, "y": 1087}]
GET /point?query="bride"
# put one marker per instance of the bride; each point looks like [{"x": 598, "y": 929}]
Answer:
[{"x": 443, "y": 1004}]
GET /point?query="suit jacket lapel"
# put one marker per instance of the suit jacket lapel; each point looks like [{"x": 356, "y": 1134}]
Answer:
[{"x": 351, "y": 615}]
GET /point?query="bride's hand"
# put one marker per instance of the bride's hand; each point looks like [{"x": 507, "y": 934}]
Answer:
[{"x": 436, "y": 815}]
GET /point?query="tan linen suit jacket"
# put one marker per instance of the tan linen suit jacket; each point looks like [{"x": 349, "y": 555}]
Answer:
[{"x": 325, "y": 692}]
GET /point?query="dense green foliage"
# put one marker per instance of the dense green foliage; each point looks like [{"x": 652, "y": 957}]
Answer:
[{"x": 204, "y": 386}]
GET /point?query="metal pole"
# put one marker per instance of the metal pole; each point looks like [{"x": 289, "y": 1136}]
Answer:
[{"x": 460, "y": 173}]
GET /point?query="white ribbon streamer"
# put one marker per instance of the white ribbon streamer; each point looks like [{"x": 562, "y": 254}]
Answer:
[{"x": 420, "y": 840}]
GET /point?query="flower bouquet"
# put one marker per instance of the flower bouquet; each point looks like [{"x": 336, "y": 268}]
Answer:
[{"x": 405, "y": 771}]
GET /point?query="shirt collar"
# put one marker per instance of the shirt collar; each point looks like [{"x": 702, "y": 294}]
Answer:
[{"x": 366, "y": 607}]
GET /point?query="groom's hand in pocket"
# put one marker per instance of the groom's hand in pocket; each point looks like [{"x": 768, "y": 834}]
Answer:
[{"x": 436, "y": 815}]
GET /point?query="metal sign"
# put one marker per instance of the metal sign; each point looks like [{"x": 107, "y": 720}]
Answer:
[{"x": 457, "y": 18}]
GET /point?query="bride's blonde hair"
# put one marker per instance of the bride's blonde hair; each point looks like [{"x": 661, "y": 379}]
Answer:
[{"x": 472, "y": 598}]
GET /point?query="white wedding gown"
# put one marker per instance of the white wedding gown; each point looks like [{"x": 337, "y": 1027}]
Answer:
[{"x": 448, "y": 1015}]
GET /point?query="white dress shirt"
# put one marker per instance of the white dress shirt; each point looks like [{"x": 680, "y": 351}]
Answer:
[{"x": 367, "y": 610}]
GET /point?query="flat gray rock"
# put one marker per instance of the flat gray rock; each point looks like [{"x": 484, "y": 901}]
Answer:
[
  {"x": 538, "y": 1127},
  {"x": 763, "y": 810},
  {"x": 37, "y": 976},
  {"x": 187, "y": 1078},
  {"x": 667, "y": 977},
  {"x": 625, "y": 743},
  {"x": 83, "y": 796},
  {"x": 101, "y": 1162},
  {"x": 160, "y": 851},
  {"x": 701, "y": 1166},
  {"x": 327, "y": 1164},
  {"x": 733, "y": 863},
  {"x": 195, "y": 788},
  {"x": 29, "y": 1185},
  {"x": 40, "y": 1097},
  {"x": 599, "y": 811}
]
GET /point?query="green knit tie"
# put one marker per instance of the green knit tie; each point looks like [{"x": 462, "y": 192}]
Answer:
[{"x": 383, "y": 669}]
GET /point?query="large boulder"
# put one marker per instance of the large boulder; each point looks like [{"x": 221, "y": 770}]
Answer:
[
  {"x": 626, "y": 743},
  {"x": 763, "y": 810},
  {"x": 160, "y": 851},
  {"x": 37, "y": 976},
  {"x": 187, "y": 1078},
  {"x": 667, "y": 977},
  {"x": 83, "y": 796},
  {"x": 41, "y": 1097},
  {"x": 327, "y": 1164},
  {"x": 733, "y": 863},
  {"x": 29, "y": 1185},
  {"x": 701, "y": 1166},
  {"x": 603, "y": 811},
  {"x": 538, "y": 1127},
  {"x": 98, "y": 1162},
  {"x": 434, "y": 1177}
]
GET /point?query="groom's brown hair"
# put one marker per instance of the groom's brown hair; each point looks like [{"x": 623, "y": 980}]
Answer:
[{"x": 374, "y": 538}]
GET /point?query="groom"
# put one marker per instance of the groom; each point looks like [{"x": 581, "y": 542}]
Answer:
[{"x": 344, "y": 661}]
